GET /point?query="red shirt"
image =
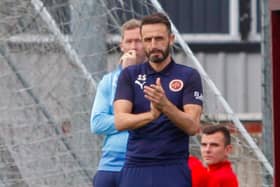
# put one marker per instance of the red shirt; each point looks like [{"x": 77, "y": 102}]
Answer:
[
  {"x": 222, "y": 175},
  {"x": 198, "y": 172}
]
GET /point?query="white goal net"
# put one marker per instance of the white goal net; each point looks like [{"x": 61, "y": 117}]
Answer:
[{"x": 52, "y": 55}]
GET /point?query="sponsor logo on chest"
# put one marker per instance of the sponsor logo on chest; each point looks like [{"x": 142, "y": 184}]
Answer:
[{"x": 141, "y": 80}]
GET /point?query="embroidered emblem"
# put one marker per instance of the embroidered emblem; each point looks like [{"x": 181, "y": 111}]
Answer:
[
  {"x": 198, "y": 95},
  {"x": 141, "y": 80},
  {"x": 176, "y": 85}
]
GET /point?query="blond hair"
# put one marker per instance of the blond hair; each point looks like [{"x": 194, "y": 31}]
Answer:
[{"x": 129, "y": 25}]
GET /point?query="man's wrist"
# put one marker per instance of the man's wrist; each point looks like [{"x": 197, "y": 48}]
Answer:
[{"x": 167, "y": 107}]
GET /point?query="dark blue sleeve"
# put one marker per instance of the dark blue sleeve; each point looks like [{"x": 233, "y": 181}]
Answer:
[
  {"x": 124, "y": 87},
  {"x": 193, "y": 91}
]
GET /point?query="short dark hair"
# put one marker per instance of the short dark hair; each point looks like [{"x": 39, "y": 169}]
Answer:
[
  {"x": 211, "y": 129},
  {"x": 156, "y": 18}
]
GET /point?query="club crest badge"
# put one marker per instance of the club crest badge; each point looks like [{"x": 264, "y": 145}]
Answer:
[{"x": 176, "y": 85}]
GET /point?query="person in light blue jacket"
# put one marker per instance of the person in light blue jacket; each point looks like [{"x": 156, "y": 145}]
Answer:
[{"x": 102, "y": 119}]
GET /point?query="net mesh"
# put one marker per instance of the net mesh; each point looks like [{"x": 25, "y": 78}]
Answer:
[{"x": 52, "y": 55}]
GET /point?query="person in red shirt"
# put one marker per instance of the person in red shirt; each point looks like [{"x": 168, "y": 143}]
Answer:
[
  {"x": 198, "y": 172},
  {"x": 215, "y": 149}
]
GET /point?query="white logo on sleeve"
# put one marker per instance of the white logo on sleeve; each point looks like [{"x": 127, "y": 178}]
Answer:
[
  {"x": 198, "y": 95},
  {"x": 141, "y": 80}
]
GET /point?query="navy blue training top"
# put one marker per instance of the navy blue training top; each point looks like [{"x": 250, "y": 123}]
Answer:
[{"x": 160, "y": 141}]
